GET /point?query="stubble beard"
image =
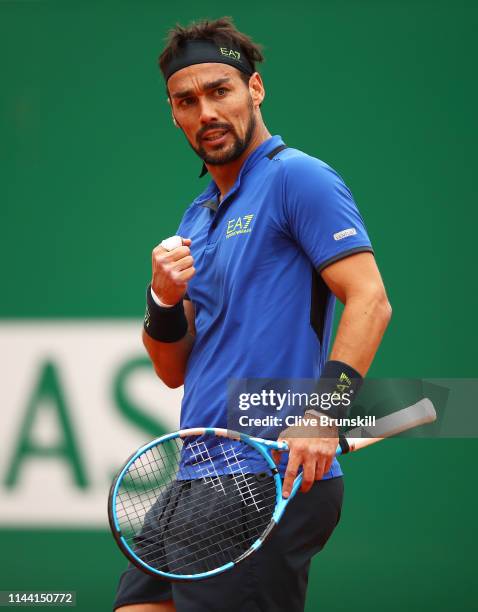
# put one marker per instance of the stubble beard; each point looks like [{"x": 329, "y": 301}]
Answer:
[{"x": 239, "y": 145}]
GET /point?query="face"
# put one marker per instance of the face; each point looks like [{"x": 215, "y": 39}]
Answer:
[{"x": 215, "y": 109}]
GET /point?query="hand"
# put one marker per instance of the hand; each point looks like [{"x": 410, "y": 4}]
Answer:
[
  {"x": 313, "y": 448},
  {"x": 172, "y": 270}
]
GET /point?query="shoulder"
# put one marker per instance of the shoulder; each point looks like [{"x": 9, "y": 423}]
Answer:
[
  {"x": 304, "y": 175},
  {"x": 296, "y": 160}
]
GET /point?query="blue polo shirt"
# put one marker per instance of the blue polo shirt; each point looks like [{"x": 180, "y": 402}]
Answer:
[{"x": 262, "y": 309}]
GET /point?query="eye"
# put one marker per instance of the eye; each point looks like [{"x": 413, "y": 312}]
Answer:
[
  {"x": 186, "y": 102},
  {"x": 221, "y": 91}
]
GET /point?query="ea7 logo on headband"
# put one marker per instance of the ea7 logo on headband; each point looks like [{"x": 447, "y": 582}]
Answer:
[{"x": 230, "y": 53}]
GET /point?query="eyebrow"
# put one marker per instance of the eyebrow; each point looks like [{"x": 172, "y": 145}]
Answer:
[{"x": 207, "y": 87}]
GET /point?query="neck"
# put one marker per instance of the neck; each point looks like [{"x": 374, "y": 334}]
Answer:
[{"x": 225, "y": 176}]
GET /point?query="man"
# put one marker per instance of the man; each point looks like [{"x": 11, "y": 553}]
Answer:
[{"x": 250, "y": 294}]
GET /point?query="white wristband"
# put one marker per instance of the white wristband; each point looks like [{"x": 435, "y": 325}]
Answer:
[{"x": 159, "y": 302}]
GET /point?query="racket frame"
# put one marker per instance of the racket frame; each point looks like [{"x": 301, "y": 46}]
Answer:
[{"x": 262, "y": 446}]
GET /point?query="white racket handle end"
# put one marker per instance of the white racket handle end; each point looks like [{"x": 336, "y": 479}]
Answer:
[{"x": 419, "y": 414}]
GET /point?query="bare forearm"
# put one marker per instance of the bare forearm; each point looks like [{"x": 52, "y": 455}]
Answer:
[
  {"x": 361, "y": 328},
  {"x": 169, "y": 358}
]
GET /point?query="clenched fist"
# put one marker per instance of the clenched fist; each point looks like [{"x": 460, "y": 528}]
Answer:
[{"x": 172, "y": 270}]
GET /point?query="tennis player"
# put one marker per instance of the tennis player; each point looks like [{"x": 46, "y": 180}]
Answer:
[{"x": 249, "y": 292}]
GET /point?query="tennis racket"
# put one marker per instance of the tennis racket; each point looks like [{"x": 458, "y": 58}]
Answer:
[{"x": 195, "y": 503}]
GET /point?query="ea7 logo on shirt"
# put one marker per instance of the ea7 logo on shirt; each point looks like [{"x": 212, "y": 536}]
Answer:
[
  {"x": 345, "y": 233},
  {"x": 240, "y": 225}
]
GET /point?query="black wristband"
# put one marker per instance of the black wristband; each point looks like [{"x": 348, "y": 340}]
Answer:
[
  {"x": 164, "y": 324},
  {"x": 344, "y": 445},
  {"x": 337, "y": 387}
]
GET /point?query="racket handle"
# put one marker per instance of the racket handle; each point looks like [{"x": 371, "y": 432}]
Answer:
[
  {"x": 421, "y": 413},
  {"x": 418, "y": 414},
  {"x": 350, "y": 445}
]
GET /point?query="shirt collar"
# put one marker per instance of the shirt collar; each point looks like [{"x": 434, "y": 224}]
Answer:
[{"x": 261, "y": 151}]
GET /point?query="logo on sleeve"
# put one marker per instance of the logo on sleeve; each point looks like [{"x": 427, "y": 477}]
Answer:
[
  {"x": 351, "y": 231},
  {"x": 240, "y": 225}
]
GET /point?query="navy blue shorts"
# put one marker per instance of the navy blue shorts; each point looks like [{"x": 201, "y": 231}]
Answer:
[{"x": 274, "y": 578}]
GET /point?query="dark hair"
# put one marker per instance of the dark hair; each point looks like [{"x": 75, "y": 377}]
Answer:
[{"x": 221, "y": 31}]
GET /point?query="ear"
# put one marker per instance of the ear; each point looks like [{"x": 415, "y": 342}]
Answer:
[
  {"x": 256, "y": 89},
  {"x": 174, "y": 118}
]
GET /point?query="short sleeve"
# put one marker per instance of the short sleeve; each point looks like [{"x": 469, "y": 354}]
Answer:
[{"x": 321, "y": 213}]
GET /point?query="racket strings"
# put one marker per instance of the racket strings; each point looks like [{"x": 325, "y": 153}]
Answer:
[
  {"x": 140, "y": 508},
  {"x": 242, "y": 483},
  {"x": 145, "y": 477},
  {"x": 205, "y": 504},
  {"x": 209, "y": 555},
  {"x": 194, "y": 519},
  {"x": 208, "y": 551},
  {"x": 142, "y": 485},
  {"x": 234, "y": 520}
]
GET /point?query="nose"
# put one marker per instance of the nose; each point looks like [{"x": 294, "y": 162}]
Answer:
[{"x": 208, "y": 113}]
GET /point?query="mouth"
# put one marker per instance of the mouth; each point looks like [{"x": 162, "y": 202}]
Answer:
[{"x": 215, "y": 136}]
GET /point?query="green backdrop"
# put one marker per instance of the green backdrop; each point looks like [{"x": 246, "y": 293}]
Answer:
[{"x": 93, "y": 175}]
